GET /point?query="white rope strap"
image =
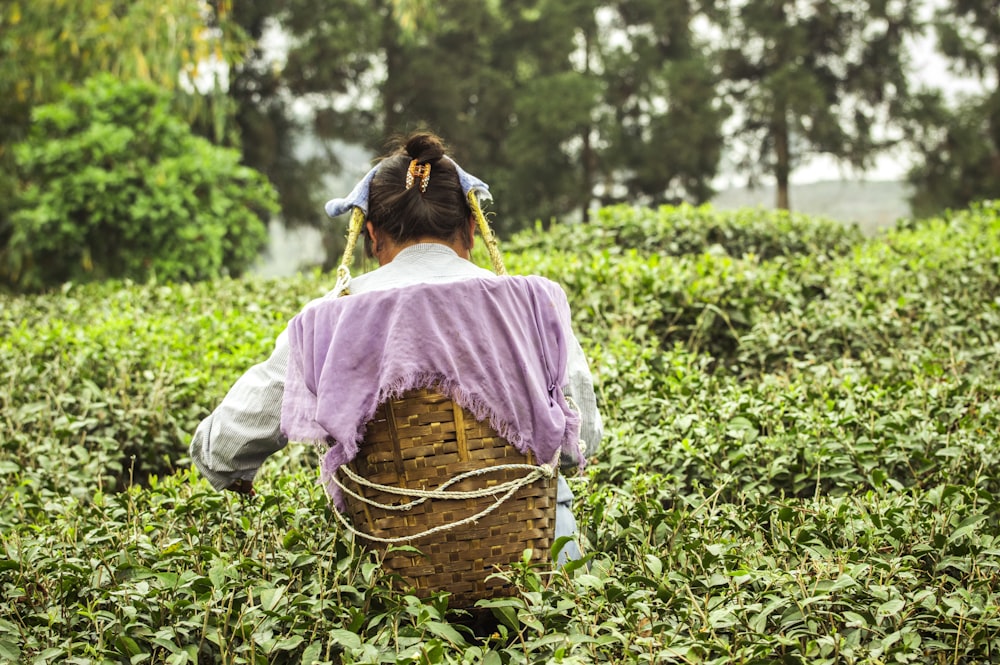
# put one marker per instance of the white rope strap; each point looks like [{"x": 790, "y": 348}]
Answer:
[
  {"x": 342, "y": 287},
  {"x": 488, "y": 236},
  {"x": 440, "y": 492},
  {"x": 536, "y": 472}
]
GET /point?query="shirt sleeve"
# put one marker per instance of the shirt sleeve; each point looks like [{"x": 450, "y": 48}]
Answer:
[
  {"x": 580, "y": 389},
  {"x": 245, "y": 429}
]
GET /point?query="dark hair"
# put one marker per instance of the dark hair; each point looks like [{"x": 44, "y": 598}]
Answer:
[{"x": 440, "y": 211}]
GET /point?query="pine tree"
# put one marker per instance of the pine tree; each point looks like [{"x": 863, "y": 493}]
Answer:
[
  {"x": 958, "y": 144},
  {"x": 662, "y": 115},
  {"x": 808, "y": 77}
]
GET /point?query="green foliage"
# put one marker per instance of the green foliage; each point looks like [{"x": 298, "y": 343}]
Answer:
[
  {"x": 684, "y": 275},
  {"x": 323, "y": 64},
  {"x": 149, "y": 578},
  {"x": 958, "y": 143},
  {"x": 813, "y": 79},
  {"x": 564, "y": 104},
  {"x": 554, "y": 107},
  {"x": 876, "y": 578},
  {"x": 801, "y": 428},
  {"x": 115, "y": 186},
  {"x": 658, "y": 79},
  {"x": 968, "y": 33},
  {"x": 47, "y": 45},
  {"x": 959, "y": 161},
  {"x": 499, "y": 84},
  {"x": 115, "y": 376},
  {"x": 685, "y": 230}
]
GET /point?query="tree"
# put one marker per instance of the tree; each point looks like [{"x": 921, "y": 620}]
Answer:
[
  {"x": 515, "y": 87},
  {"x": 494, "y": 79},
  {"x": 663, "y": 117},
  {"x": 47, "y": 46},
  {"x": 808, "y": 77},
  {"x": 958, "y": 144},
  {"x": 291, "y": 106},
  {"x": 498, "y": 81},
  {"x": 114, "y": 185}
]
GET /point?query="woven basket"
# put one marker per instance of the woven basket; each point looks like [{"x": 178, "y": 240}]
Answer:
[{"x": 421, "y": 441}]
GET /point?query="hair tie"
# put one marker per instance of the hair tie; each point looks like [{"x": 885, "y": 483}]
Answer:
[{"x": 421, "y": 172}]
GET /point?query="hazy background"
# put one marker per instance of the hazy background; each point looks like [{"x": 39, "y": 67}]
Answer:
[{"x": 821, "y": 186}]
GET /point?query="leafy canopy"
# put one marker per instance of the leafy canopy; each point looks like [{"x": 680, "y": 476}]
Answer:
[
  {"x": 799, "y": 427},
  {"x": 114, "y": 185},
  {"x": 958, "y": 144},
  {"x": 48, "y": 44},
  {"x": 808, "y": 78}
]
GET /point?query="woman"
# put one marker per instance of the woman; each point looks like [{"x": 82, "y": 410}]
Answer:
[{"x": 419, "y": 227}]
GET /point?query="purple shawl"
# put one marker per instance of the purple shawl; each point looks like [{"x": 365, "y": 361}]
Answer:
[{"x": 496, "y": 346}]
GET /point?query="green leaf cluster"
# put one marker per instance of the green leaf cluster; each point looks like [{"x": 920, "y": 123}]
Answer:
[
  {"x": 114, "y": 185},
  {"x": 50, "y": 44},
  {"x": 959, "y": 146},
  {"x": 103, "y": 384},
  {"x": 957, "y": 141}
]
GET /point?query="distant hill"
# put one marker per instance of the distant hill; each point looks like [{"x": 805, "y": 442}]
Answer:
[{"x": 870, "y": 204}]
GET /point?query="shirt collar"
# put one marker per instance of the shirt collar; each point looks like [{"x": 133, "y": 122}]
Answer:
[{"x": 425, "y": 249}]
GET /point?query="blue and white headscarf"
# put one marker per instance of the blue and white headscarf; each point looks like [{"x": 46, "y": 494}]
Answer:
[
  {"x": 474, "y": 189},
  {"x": 358, "y": 198}
]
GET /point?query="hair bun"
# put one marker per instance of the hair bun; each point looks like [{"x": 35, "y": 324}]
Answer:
[{"x": 424, "y": 148}]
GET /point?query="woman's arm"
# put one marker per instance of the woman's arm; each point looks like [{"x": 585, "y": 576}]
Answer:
[
  {"x": 580, "y": 388},
  {"x": 231, "y": 444}
]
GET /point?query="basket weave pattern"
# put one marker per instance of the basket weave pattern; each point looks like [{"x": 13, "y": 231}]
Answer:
[{"x": 420, "y": 441}]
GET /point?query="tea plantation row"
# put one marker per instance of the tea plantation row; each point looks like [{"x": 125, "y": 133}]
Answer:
[{"x": 799, "y": 464}]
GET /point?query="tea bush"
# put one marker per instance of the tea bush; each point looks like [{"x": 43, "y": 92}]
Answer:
[
  {"x": 798, "y": 464},
  {"x": 115, "y": 376},
  {"x": 921, "y": 294},
  {"x": 686, "y": 230}
]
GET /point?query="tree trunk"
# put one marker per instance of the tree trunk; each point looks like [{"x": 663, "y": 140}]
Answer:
[
  {"x": 783, "y": 156},
  {"x": 588, "y": 157}
]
